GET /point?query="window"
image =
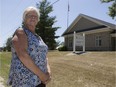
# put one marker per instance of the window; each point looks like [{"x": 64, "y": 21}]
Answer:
[{"x": 98, "y": 41}]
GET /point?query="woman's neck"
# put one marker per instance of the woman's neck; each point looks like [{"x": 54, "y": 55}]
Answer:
[{"x": 31, "y": 28}]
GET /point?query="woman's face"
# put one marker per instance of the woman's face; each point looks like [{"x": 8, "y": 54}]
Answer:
[{"x": 31, "y": 18}]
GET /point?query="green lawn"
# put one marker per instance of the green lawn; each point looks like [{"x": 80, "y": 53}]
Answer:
[
  {"x": 5, "y": 58},
  {"x": 91, "y": 69}
]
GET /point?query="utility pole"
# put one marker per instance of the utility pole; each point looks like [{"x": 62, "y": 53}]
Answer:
[{"x": 68, "y": 14}]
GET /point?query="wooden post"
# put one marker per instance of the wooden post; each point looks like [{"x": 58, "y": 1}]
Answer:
[
  {"x": 83, "y": 42},
  {"x": 74, "y": 40}
]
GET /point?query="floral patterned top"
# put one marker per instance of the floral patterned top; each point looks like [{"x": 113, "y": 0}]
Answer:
[{"x": 19, "y": 75}]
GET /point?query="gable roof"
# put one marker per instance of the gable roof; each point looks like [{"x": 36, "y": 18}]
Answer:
[{"x": 99, "y": 24}]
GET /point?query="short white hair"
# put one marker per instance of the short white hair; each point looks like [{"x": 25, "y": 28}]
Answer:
[{"x": 30, "y": 9}]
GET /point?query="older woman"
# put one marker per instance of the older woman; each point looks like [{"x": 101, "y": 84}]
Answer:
[{"x": 29, "y": 65}]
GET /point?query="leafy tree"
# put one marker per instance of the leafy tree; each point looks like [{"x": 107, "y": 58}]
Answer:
[
  {"x": 58, "y": 43},
  {"x": 45, "y": 27},
  {"x": 112, "y": 8},
  {"x": 8, "y": 44}
]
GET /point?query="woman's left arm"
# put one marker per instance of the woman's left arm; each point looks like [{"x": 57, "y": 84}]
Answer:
[{"x": 48, "y": 72}]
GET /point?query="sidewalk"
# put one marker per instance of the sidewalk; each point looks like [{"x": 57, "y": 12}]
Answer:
[{"x": 1, "y": 82}]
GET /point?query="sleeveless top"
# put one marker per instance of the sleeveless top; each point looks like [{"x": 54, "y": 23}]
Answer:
[{"x": 19, "y": 75}]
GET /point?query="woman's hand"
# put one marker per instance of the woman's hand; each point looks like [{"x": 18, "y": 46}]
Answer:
[
  {"x": 48, "y": 73},
  {"x": 48, "y": 79}
]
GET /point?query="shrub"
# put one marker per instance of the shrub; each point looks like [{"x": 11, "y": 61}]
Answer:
[{"x": 62, "y": 48}]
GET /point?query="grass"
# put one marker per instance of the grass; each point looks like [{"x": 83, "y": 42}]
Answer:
[
  {"x": 91, "y": 69},
  {"x": 5, "y": 58}
]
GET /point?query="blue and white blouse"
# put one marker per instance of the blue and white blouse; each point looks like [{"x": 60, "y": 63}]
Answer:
[{"x": 19, "y": 75}]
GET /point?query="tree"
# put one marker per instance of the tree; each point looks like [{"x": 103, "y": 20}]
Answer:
[
  {"x": 8, "y": 44},
  {"x": 45, "y": 27},
  {"x": 112, "y": 8}
]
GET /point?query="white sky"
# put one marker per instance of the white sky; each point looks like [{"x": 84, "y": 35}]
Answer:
[{"x": 11, "y": 14}]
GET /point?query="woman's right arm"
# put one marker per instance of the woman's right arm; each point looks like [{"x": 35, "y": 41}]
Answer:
[{"x": 20, "y": 44}]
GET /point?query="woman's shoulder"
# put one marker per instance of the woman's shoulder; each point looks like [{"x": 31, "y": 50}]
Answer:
[
  {"x": 19, "y": 31},
  {"x": 19, "y": 36}
]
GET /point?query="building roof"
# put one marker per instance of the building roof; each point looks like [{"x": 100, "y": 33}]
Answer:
[{"x": 82, "y": 21}]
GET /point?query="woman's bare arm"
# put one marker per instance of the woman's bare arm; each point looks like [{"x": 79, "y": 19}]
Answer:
[{"x": 48, "y": 72}]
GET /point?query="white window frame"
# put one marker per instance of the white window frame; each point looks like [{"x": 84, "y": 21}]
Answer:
[{"x": 98, "y": 41}]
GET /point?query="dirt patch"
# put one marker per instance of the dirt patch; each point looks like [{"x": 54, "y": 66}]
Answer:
[
  {"x": 1, "y": 82},
  {"x": 90, "y": 69}
]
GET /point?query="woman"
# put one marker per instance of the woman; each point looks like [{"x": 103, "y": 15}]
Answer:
[{"x": 29, "y": 65}]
